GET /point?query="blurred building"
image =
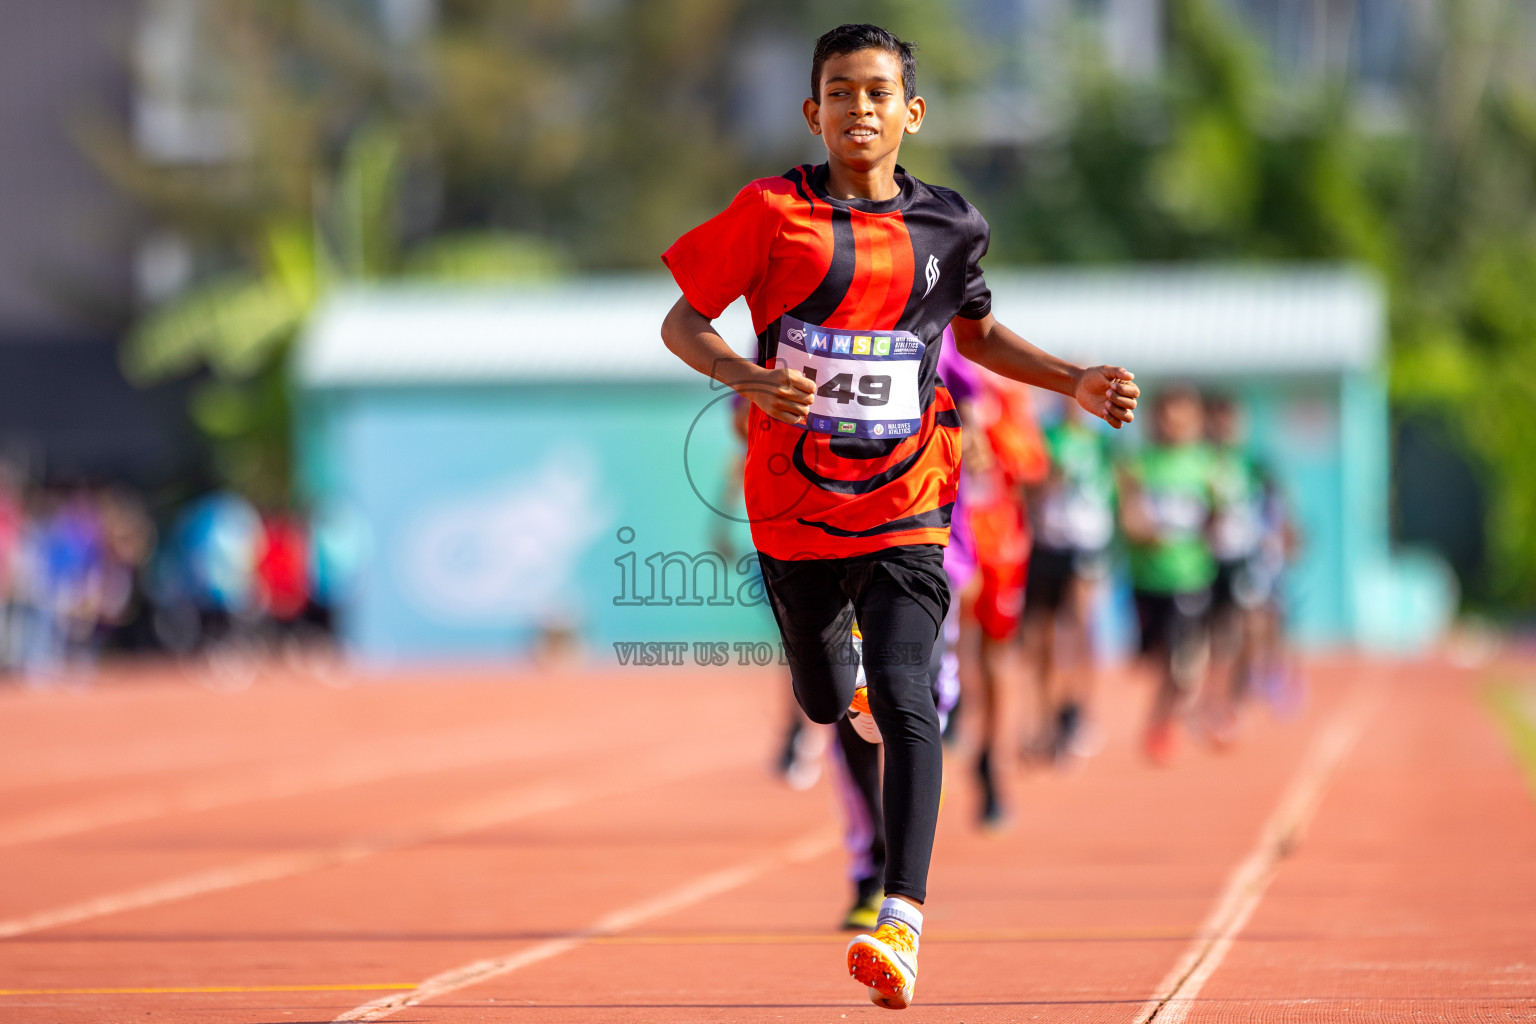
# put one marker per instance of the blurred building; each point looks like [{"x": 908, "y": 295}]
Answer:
[
  {"x": 77, "y": 260},
  {"x": 67, "y": 257},
  {"x": 1373, "y": 44}
]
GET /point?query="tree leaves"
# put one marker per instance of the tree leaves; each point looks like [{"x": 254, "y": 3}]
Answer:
[
  {"x": 1220, "y": 160},
  {"x": 233, "y": 325}
]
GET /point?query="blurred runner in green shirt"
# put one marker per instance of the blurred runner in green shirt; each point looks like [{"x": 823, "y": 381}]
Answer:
[
  {"x": 1167, "y": 500},
  {"x": 1073, "y": 518},
  {"x": 1252, "y": 538}
]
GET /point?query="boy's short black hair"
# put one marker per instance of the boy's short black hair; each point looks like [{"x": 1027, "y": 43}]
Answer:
[
  {"x": 1178, "y": 391},
  {"x": 852, "y": 38}
]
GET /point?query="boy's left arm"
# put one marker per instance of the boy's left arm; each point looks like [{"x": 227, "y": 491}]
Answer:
[{"x": 1108, "y": 392}]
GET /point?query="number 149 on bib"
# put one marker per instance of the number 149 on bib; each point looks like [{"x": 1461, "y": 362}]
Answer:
[{"x": 873, "y": 388}]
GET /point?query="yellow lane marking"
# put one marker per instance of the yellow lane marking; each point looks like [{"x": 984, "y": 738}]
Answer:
[
  {"x": 199, "y": 989},
  {"x": 764, "y": 939},
  {"x": 509, "y": 805},
  {"x": 789, "y": 938}
]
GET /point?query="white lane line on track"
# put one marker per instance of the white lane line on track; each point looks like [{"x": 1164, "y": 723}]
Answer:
[
  {"x": 407, "y": 756},
  {"x": 698, "y": 890},
  {"x": 470, "y": 816},
  {"x": 1281, "y": 834}
]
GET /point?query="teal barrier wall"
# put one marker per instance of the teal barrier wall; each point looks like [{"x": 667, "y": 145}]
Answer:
[
  {"x": 511, "y": 489},
  {"x": 497, "y": 512}
]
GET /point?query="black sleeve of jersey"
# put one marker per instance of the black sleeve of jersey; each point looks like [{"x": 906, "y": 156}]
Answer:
[{"x": 977, "y": 301}]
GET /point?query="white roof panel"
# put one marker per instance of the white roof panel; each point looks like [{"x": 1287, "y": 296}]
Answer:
[
  {"x": 1154, "y": 320},
  {"x": 582, "y": 329},
  {"x": 1178, "y": 320}
]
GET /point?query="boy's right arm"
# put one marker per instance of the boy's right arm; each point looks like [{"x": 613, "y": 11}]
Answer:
[
  {"x": 784, "y": 393},
  {"x": 1105, "y": 391}
]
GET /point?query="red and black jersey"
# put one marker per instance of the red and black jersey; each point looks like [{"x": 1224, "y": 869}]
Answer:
[{"x": 909, "y": 264}]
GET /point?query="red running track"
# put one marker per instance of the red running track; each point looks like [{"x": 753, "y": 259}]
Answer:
[{"x": 563, "y": 848}]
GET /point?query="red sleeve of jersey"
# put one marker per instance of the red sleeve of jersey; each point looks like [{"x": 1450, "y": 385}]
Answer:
[{"x": 717, "y": 262}]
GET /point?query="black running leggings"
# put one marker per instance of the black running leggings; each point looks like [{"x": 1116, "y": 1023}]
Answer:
[{"x": 816, "y": 602}]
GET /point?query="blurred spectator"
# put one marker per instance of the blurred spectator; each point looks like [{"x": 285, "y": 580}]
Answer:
[
  {"x": 128, "y": 541},
  {"x": 204, "y": 579},
  {"x": 282, "y": 568},
  {"x": 1004, "y": 455},
  {"x": 83, "y": 571},
  {"x": 1073, "y": 513},
  {"x": 12, "y": 523},
  {"x": 339, "y": 546},
  {"x": 1167, "y": 495},
  {"x": 1252, "y": 539}
]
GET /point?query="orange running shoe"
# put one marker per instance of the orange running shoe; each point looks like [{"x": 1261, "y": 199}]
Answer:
[
  {"x": 886, "y": 962},
  {"x": 860, "y": 718},
  {"x": 858, "y": 711},
  {"x": 860, "y": 704}
]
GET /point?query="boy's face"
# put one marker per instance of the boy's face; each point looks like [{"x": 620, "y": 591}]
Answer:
[
  {"x": 863, "y": 113},
  {"x": 1224, "y": 424},
  {"x": 1179, "y": 419}
]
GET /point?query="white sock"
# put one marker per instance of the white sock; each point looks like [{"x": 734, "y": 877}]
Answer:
[{"x": 894, "y": 909}]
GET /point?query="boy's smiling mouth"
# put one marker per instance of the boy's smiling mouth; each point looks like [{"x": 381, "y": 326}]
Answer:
[{"x": 863, "y": 131}]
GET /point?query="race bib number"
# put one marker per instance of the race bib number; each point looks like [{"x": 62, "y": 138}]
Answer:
[
  {"x": 866, "y": 381},
  {"x": 1178, "y": 513}
]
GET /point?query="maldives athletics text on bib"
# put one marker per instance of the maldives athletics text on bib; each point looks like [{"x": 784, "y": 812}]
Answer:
[{"x": 866, "y": 381}]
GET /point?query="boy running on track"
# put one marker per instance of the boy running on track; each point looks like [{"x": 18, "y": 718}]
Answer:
[
  {"x": 1073, "y": 513},
  {"x": 1167, "y": 493},
  {"x": 852, "y": 269},
  {"x": 1251, "y": 538},
  {"x": 1004, "y": 453}
]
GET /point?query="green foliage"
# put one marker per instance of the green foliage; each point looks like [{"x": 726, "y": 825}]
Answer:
[
  {"x": 336, "y": 152},
  {"x": 1213, "y": 160},
  {"x": 1216, "y": 159},
  {"x": 239, "y": 325},
  {"x": 511, "y": 141},
  {"x": 485, "y": 257}
]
